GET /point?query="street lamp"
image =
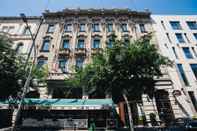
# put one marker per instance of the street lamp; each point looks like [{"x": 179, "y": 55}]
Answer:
[{"x": 29, "y": 78}]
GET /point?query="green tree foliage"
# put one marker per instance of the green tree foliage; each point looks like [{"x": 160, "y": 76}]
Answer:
[{"x": 12, "y": 69}]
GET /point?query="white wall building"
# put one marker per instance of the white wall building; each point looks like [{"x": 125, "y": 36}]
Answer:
[{"x": 177, "y": 40}]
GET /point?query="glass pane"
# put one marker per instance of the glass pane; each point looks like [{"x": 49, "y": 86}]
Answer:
[
  {"x": 66, "y": 44},
  {"x": 109, "y": 27},
  {"x": 142, "y": 28},
  {"x": 180, "y": 38},
  {"x": 182, "y": 74},
  {"x": 192, "y": 25},
  {"x": 45, "y": 46},
  {"x": 80, "y": 44},
  {"x": 187, "y": 53},
  {"x": 96, "y": 43},
  {"x": 175, "y": 25}
]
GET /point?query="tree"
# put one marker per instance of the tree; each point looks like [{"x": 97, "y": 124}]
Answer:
[
  {"x": 12, "y": 69},
  {"x": 126, "y": 71}
]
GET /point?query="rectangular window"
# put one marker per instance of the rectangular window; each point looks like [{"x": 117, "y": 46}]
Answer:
[
  {"x": 41, "y": 62},
  {"x": 192, "y": 25},
  {"x": 124, "y": 28},
  {"x": 96, "y": 43},
  {"x": 142, "y": 28},
  {"x": 110, "y": 43},
  {"x": 79, "y": 63},
  {"x": 180, "y": 38},
  {"x": 65, "y": 44},
  {"x": 81, "y": 43},
  {"x": 51, "y": 29},
  {"x": 187, "y": 53},
  {"x": 26, "y": 31},
  {"x": 174, "y": 51},
  {"x": 195, "y": 36},
  {"x": 194, "y": 69},
  {"x": 82, "y": 28},
  {"x": 95, "y": 28},
  {"x": 68, "y": 28},
  {"x": 45, "y": 46},
  {"x": 109, "y": 27},
  {"x": 182, "y": 74},
  {"x": 175, "y": 25},
  {"x": 63, "y": 65}
]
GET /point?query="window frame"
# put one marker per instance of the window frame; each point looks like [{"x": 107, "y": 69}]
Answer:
[
  {"x": 176, "y": 25},
  {"x": 43, "y": 44},
  {"x": 49, "y": 30},
  {"x": 182, "y": 40},
  {"x": 187, "y": 53}
]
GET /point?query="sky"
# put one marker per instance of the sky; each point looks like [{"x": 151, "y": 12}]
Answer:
[{"x": 37, "y": 7}]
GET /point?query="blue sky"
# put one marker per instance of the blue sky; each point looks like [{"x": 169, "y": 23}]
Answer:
[{"x": 36, "y": 7}]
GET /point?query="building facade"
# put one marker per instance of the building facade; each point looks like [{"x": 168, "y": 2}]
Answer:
[
  {"x": 68, "y": 39},
  {"x": 177, "y": 38}
]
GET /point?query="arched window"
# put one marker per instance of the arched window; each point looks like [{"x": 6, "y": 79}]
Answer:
[
  {"x": 19, "y": 47},
  {"x": 41, "y": 61}
]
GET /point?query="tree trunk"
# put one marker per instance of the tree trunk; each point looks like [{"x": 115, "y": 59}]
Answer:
[{"x": 129, "y": 112}]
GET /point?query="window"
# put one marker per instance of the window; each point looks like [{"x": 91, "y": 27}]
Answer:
[
  {"x": 68, "y": 28},
  {"x": 187, "y": 53},
  {"x": 19, "y": 47},
  {"x": 95, "y": 28},
  {"x": 192, "y": 25},
  {"x": 79, "y": 63},
  {"x": 109, "y": 27},
  {"x": 182, "y": 74},
  {"x": 51, "y": 29},
  {"x": 195, "y": 36},
  {"x": 96, "y": 43},
  {"x": 163, "y": 25},
  {"x": 45, "y": 45},
  {"x": 82, "y": 28},
  {"x": 167, "y": 34},
  {"x": 41, "y": 62},
  {"x": 80, "y": 43},
  {"x": 175, "y": 25},
  {"x": 174, "y": 51},
  {"x": 63, "y": 64},
  {"x": 142, "y": 28},
  {"x": 26, "y": 31},
  {"x": 65, "y": 44},
  {"x": 194, "y": 69},
  {"x": 180, "y": 38},
  {"x": 110, "y": 43},
  {"x": 124, "y": 28}
]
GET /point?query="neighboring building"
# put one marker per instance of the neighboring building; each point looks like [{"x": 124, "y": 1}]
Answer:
[
  {"x": 177, "y": 40},
  {"x": 16, "y": 30}
]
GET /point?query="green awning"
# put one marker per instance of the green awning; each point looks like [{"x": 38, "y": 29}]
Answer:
[{"x": 65, "y": 104}]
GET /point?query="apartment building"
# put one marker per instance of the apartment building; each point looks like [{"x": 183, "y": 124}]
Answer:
[{"x": 177, "y": 40}]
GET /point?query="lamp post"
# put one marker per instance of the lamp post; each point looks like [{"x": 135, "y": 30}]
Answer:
[{"x": 29, "y": 78}]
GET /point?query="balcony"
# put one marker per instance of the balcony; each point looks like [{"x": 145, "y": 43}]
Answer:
[
  {"x": 64, "y": 51},
  {"x": 96, "y": 51},
  {"x": 80, "y": 51}
]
